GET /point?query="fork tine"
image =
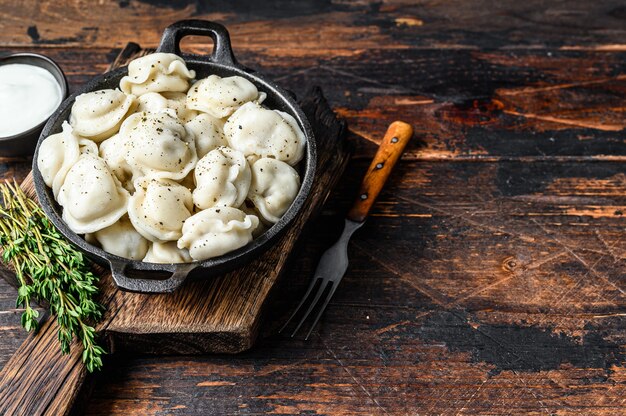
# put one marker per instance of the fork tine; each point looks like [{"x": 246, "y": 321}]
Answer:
[
  {"x": 304, "y": 298},
  {"x": 322, "y": 309},
  {"x": 312, "y": 305}
]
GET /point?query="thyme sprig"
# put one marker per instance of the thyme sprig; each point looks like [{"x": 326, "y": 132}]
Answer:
[{"x": 49, "y": 269}]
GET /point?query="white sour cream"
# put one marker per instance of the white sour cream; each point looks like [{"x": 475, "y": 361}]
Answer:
[{"x": 28, "y": 95}]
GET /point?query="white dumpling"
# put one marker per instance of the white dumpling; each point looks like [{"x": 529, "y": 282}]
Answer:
[
  {"x": 222, "y": 179},
  {"x": 91, "y": 196},
  {"x": 274, "y": 186},
  {"x": 57, "y": 154},
  {"x": 158, "y": 145},
  {"x": 220, "y": 97},
  {"x": 157, "y": 72},
  {"x": 122, "y": 239},
  {"x": 254, "y": 130},
  {"x": 87, "y": 146},
  {"x": 113, "y": 152},
  {"x": 153, "y": 102},
  {"x": 249, "y": 209},
  {"x": 216, "y": 231},
  {"x": 208, "y": 132},
  {"x": 167, "y": 253},
  {"x": 159, "y": 207},
  {"x": 98, "y": 115}
]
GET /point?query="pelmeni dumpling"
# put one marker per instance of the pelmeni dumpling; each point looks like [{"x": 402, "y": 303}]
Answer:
[
  {"x": 157, "y": 72},
  {"x": 222, "y": 179},
  {"x": 91, "y": 196},
  {"x": 113, "y": 152},
  {"x": 122, "y": 239},
  {"x": 159, "y": 207},
  {"x": 158, "y": 145},
  {"x": 87, "y": 147},
  {"x": 220, "y": 97},
  {"x": 167, "y": 253},
  {"x": 274, "y": 186},
  {"x": 164, "y": 173},
  {"x": 249, "y": 209},
  {"x": 57, "y": 154},
  {"x": 208, "y": 132},
  {"x": 254, "y": 130},
  {"x": 153, "y": 102},
  {"x": 98, "y": 115},
  {"x": 216, "y": 231}
]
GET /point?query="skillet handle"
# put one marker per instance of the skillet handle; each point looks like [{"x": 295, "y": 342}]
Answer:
[
  {"x": 222, "y": 51},
  {"x": 131, "y": 284}
]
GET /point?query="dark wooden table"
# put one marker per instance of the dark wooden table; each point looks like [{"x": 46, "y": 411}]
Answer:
[{"x": 491, "y": 276}]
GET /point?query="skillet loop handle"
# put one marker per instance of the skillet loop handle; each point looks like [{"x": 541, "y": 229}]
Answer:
[
  {"x": 222, "y": 51},
  {"x": 131, "y": 284}
]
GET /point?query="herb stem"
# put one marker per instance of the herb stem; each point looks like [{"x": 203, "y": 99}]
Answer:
[{"x": 49, "y": 269}]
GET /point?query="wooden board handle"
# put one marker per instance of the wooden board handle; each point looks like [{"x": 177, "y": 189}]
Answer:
[
  {"x": 38, "y": 379},
  {"x": 398, "y": 135}
]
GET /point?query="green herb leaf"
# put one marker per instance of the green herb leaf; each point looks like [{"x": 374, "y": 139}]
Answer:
[{"x": 49, "y": 269}]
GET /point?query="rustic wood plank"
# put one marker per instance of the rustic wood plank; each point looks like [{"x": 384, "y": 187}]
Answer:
[
  {"x": 489, "y": 278},
  {"x": 567, "y": 185},
  {"x": 464, "y": 299},
  {"x": 464, "y": 105},
  {"x": 11, "y": 332},
  {"x": 280, "y": 27}
]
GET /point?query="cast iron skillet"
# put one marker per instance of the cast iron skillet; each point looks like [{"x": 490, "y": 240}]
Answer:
[{"x": 221, "y": 62}]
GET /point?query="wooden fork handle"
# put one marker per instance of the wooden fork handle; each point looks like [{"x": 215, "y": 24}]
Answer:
[{"x": 398, "y": 135}]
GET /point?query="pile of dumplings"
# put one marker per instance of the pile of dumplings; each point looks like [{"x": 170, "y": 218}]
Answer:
[{"x": 169, "y": 169}]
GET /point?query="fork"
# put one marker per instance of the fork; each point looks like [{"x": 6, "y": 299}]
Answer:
[{"x": 334, "y": 262}]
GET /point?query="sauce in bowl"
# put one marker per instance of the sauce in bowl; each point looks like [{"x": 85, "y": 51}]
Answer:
[{"x": 29, "y": 94}]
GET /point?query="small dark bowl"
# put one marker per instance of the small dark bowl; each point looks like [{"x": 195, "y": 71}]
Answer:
[
  {"x": 24, "y": 143},
  {"x": 138, "y": 276}
]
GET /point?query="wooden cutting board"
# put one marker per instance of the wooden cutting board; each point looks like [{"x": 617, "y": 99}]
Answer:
[{"x": 219, "y": 315}]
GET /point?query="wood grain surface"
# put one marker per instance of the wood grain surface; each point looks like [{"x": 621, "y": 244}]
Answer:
[{"x": 490, "y": 276}]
